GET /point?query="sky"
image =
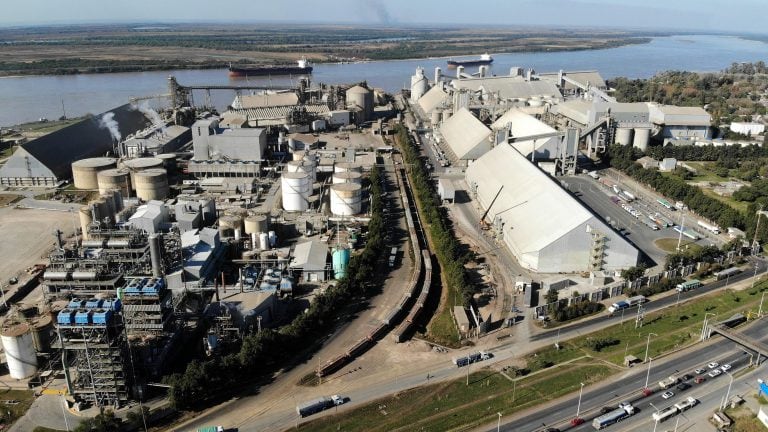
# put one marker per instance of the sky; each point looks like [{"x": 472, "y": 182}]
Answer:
[{"x": 707, "y": 15}]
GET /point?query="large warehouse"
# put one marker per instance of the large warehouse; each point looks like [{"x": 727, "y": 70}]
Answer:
[{"x": 544, "y": 227}]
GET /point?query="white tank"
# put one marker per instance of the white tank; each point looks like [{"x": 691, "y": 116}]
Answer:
[
  {"x": 347, "y": 166},
  {"x": 483, "y": 71},
  {"x": 418, "y": 85},
  {"x": 459, "y": 71},
  {"x": 359, "y": 97},
  {"x": 254, "y": 241},
  {"x": 263, "y": 241},
  {"x": 642, "y": 136},
  {"x": 435, "y": 117},
  {"x": 19, "y": 348},
  {"x": 438, "y": 74},
  {"x": 623, "y": 136},
  {"x": 301, "y": 166},
  {"x": 346, "y": 199},
  {"x": 85, "y": 171},
  {"x": 151, "y": 184},
  {"x": 256, "y": 223},
  {"x": 347, "y": 177},
  {"x": 86, "y": 217},
  {"x": 297, "y": 187}
]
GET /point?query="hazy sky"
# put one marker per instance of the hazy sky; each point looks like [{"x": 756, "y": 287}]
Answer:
[{"x": 720, "y": 15}]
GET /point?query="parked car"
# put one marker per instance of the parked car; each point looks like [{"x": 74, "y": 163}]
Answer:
[{"x": 713, "y": 365}]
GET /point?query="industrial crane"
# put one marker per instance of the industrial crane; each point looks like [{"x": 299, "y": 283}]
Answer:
[{"x": 483, "y": 224}]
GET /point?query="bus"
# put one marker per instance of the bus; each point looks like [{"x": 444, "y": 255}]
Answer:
[
  {"x": 665, "y": 203},
  {"x": 664, "y": 414},
  {"x": 724, "y": 274},
  {"x": 688, "y": 285}
]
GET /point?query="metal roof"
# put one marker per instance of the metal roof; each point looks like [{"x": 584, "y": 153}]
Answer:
[
  {"x": 432, "y": 99},
  {"x": 265, "y": 100},
  {"x": 574, "y": 109},
  {"x": 52, "y": 155},
  {"x": 509, "y": 87},
  {"x": 310, "y": 256},
  {"x": 592, "y": 77},
  {"x": 521, "y": 125},
  {"x": 671, "y": 115},
  {"x": 276, "y": 112},
  {"x": 466, "y": 135}
]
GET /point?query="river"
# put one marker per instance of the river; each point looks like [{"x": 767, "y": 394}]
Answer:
[{"x": 28, "y": 98}]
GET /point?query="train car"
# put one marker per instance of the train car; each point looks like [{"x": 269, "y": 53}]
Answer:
[
  {"x": 332, "y": 366},
  {"x": 378, "y": 332},
  {"x": 393, "y": 315},
  {"x": 359, "y": 347}
]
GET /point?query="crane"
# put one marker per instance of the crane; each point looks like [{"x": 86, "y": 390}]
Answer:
[{"x": 483, "y": 224}]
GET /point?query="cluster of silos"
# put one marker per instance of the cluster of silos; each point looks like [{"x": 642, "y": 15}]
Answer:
[
  {"x": 305, "y": 165},
  {"x": 19, "y": 346},
  {"x": 637, "y": 137},
  {"x": 360, "y": 99},
  {"x": 346, "y": 190},
  {"x": 257, "y": 227},
  {"x": 115, "y": 179},
  {"x": 85, "y": 171},
  {"x": 418, "y": 85},
  {"x": 149, "y": 177},
  {"x": 102, "y": 210}
]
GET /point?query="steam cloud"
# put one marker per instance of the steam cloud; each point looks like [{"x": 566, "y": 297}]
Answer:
[
  {"x": 108, "y": 122},
  {"x": 151, "y": 114}
]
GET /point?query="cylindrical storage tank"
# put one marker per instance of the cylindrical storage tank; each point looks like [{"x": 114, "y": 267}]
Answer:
[
  {"x": 291, "y": 145},
  {"x": 642, "y": 136},
  {"x": 347, "y": 177},
  {"x": 347, "y": 166},
  {"x": 346, "y": 199},
  {"x": 297, "y": 187},
  {"x": 152, "y": 184},
  {"x": 299, "y": 155},
  {"x": 263, "y": 241},
  {"x": 19, "y": 350},
  {"x": 86, "y": 217},
  {"x": 254, "y": 241},
  {"x": 169, "y": 162},
  {"x": 483, "y": 71},
  {"x": 360, "y": 97},
  {"x": 302, "y": 166},
  {"x": 459, "y": 71},
  {"x": 140, "y": 164},
  {"x": 340, "y": 257},
  {"x": 228, "y": 225},
  {"x": 85, "y": 171},
  {"x": 436, "y": 116},
  {"x": 42, "y": 333},
  {"x": 101, "y": 211},
  {"x": 623, "y": 136},
  {"x": 418, "y": 85},
  {"x": 256, "y": 223},
  {"x": 114, "y": 179},
  {"x": 272, "y": 238},
  {"x": 438, "y": 74}
]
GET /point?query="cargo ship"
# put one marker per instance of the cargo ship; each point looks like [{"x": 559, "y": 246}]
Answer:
[
  {"x": 484, "y": 59},
  {"x": 302, "y": 68}
]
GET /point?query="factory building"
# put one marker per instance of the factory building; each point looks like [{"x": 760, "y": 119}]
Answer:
[
  {"x": 155, "y": 141},
  {"x": 212, "y": 142},
  {"x": 573, "y": 82},
  {"x": 310, "y": 258},
  {"x": 544, "y": 227},
  {"x": 47, "y": 161},
  {"x": 466, "y": 136},
  {"x": 510, "y": 88},
  {"x": 515, "y": 123},
  {"x": 432, "y": 99},
  {"x": 681, "y": 122}
]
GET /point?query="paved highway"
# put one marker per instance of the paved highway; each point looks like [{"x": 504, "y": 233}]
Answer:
[{"x": 628, "y": 387}]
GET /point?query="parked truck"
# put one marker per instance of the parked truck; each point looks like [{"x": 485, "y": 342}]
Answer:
[
  {"x": 668, "y": 382},
  {"x": 471, "y": 358},
  {"x": 319, "y": 404},
  {"x": 211, "y": 429},
  {"x": 624, "y": 410},
  {"x": 709, "y": 227}
]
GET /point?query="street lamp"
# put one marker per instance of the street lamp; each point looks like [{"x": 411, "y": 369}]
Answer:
[
  {"x": 656, "y": 423},
  {"x": 760, "y": 309},
  {"x": 728, "y": 392},
  {"x": 704, "y": 325},
  {"x": 647, "y": 344},
  {"x": 648, "y": 375},
  {"x": 578, "y": 407},
  {"x": 498, "y": 425}
]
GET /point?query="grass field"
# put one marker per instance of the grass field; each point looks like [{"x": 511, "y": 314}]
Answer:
[
  {"x": 670, "y": 244},
  {"x": 741, "y": 206},
  {"x": 455, "y": 406}
]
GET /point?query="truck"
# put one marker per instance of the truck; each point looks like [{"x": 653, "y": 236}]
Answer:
[
  {"x": 624, "y": 410},
  {"x": 211, "y": 429},
  {"x": 668, "y": 382},
  {"x": 714, "y": 229},
  {"x": 630, "y": 195},
  {"x": 619, "y": 305},
  {"x": 318, "y": 404},
  {"x": 616, "y": 189},
  {"x": 688, "y": 285},
  {"x": 681, "y": 205},
  {"x": 686, "y": 232},
  {"x": 688, "y": 403},
  {"x": 471, "y": 358}
]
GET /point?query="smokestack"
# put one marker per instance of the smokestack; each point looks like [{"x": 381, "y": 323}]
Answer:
[
  {"x": 438, "y": 74},
  {"x": 155, "y": 255}
]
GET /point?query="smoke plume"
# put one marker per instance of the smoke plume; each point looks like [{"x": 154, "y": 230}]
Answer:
[
  {"x": 380, "y": 11},
  {"x": 107, "y": 121}
]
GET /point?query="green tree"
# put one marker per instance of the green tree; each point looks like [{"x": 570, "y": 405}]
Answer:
[{"x": 105, "y": 421}]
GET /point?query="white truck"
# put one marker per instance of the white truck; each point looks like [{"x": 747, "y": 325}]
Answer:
[
  {"x": 688, "y": 403},
  {"x": 624, "y": 410},
  {"x": 594, "y": 175},
  {"x": 668, "y": 382}
]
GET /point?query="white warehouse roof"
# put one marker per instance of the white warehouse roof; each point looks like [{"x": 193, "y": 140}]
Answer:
[
  {"x": 521, "y": 125},
  {"x": 671, "y": 115},
  {"x": 509, "y": 87},
  {"x": 466, "y": 135},
  {"x": 545, "y": 228},
  {"x": 432, "y": 99},
  {"x": 593, "y": 78}
]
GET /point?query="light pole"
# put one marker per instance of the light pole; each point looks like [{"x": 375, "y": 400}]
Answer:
[
  {"x": 760, "y": 309},
  {"x": 646, "y": 390},
  {"x": 704, "y": 325},
  {"x": 728, "y": 392},
  {"x": 578, "y": 406},
  {"x": 647, "y": 344},
  {"x": 498, "y": 425},
  {"x": 656, "y": 423}
]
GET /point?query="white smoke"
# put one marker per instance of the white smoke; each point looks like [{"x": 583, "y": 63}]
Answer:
[
  {"x": 152, "y": 115},
  {"x": 107, "y": 121}
]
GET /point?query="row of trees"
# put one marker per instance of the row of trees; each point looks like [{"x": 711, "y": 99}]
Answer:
[
  {"x": 447, "y": 248},
  {"x": 264, "y": 352}
]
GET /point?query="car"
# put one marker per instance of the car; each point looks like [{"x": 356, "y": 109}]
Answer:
[
  {"x": 686, "y": 377},
  {"x": 683, "y": 386},
  {"x": 713, "y": 365},
  {"x": 715, "y": 372},
  {"x": 725, "y": 368},
  {"x": 576, "y": 421},
  {"x": 700, "y": 370},
  {"x": 667, "y": 395},
  {"x": 699, "y": 380}
]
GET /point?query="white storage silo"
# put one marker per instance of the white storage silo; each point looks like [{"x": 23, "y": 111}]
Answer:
[
  {"x": 86, "y": 217},
  {"x": 418, "y": 85},
  {"x": 347, "y": 177},
  {"x": 114, "y": 179},
  {"x": 297, "y": 187},
  {"x": 263, "y": 241},
  {"x": 301, "y": 166},
  {"x": 85, "y": 171},
  {"x": 362, "y": 98},
  {"x": 642, "y": 136},
  {"x": 623, "y": 136},
  {"x": 347, "y": 166},
  {"x": 151, "y": 184},
  {"x": 256, "y": 223},
  {"x": 346, "y": 199},
  {"x": 19, "y": 348},
  {"x": 438, "y": 74}
]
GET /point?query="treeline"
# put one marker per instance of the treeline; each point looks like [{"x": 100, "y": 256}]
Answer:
[
  {"x": 748, "y": 68},
  {"x": 708, "y": 153},
  {"x": 73, "y": 66},
  {"x": 447, "y": 248},
  {"x": 271, "y": 349}
]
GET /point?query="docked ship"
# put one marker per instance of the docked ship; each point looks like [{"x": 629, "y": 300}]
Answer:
[
  {"x": 484, "y": 59},
  {"x": 302, "y": 68}
]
